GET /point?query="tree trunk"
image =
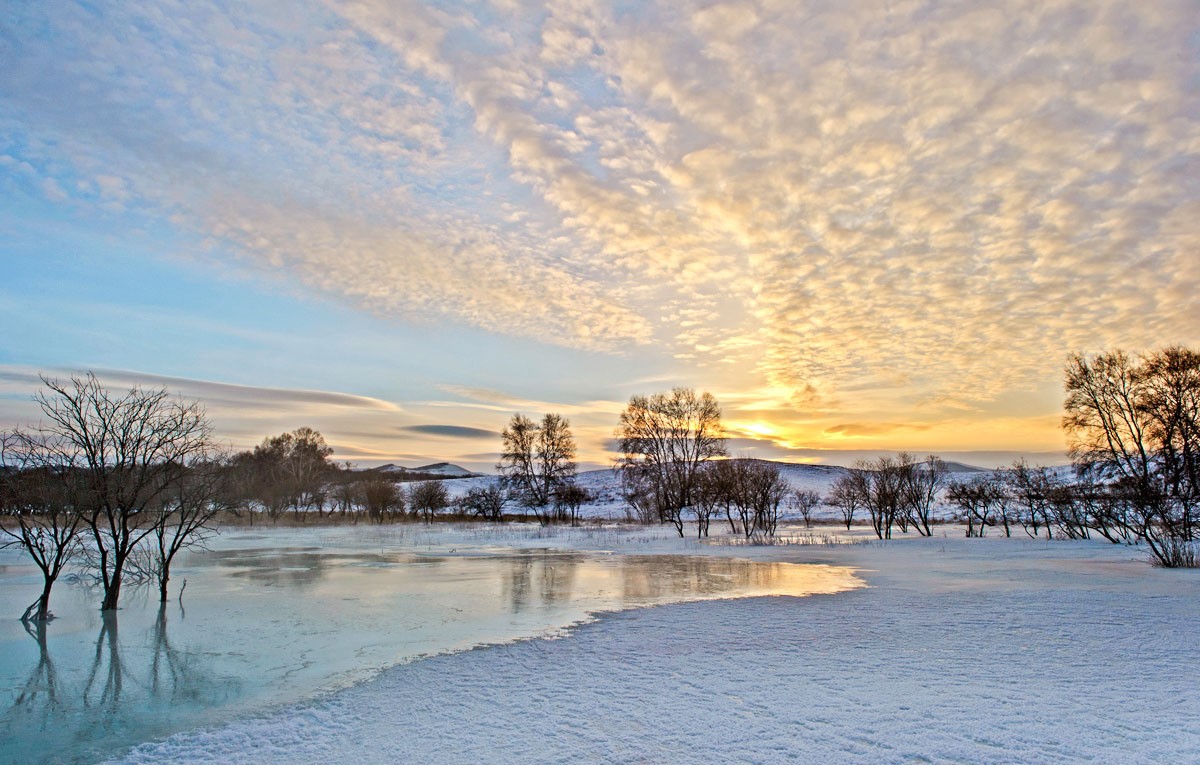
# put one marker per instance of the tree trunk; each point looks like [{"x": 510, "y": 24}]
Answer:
[
  {"x": 112, "y": 592},
  {"x": 39, "y": 610},
  {"x": 43, "y": 609}
]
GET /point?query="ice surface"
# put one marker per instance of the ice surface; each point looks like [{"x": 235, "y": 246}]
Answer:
[{"x": 272, "y": 617}]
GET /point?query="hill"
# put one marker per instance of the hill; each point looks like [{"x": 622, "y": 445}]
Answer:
[{"x": 435, "y": 470}]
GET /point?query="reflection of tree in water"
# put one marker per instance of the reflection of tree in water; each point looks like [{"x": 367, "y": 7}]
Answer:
[
  {"x": 298, "y": 569},
  {"x": 302, "y": 567},
  {"x": 179, "y": 676},
  {"x": 114, "y": 677},
  {"x": 647, "y": 578},
  {"x": 112, "y": 699},
  {"x": 41, "y": 687},
  {"x": 539, "y": 580}
]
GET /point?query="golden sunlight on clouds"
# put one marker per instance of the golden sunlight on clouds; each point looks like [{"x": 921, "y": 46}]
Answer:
[{"x": 865, "y": 223}]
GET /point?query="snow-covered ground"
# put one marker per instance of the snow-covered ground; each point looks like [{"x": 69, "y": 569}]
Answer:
[{"x": 968, "y": 651}]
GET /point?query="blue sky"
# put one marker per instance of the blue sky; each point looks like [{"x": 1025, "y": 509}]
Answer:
[{"x": 864, "y": 226}]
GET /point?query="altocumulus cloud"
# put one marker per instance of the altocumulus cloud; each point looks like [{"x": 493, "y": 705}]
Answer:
[{"x": 843, "y": 197}]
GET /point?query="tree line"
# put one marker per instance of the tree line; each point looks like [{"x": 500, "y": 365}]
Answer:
[
  {"x": 118, "y": 484},
  {"x": 124, "y": 482}
]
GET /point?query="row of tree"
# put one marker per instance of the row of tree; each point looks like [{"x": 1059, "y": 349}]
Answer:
[
  {"x": 896, "y": 492},
  {"x": 120, "y": 484},
  {"x": 141, "y": 471}
]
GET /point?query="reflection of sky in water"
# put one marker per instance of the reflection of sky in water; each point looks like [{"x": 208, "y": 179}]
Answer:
[{"x": 264, "y": 625}]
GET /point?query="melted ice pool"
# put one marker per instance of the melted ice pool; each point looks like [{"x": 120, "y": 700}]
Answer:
[{"x": 261, "y": 625}]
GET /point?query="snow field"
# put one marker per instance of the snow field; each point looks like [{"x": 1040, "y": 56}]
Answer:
[{"x": 978, "y": 651}]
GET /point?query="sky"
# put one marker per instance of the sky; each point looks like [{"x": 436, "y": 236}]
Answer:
[{"x": 863, "y": 226}]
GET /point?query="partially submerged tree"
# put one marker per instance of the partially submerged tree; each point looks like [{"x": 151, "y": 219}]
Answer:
[
  {"x": 128, "y": 451},
  {"x": 665, "y": 438},
  {"x": 536, "y": 461},
  {"x": 188, "y": 514},
  {"x": 40, "y": 513}
]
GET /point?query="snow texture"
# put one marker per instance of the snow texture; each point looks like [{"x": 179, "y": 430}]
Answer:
[{"x": 977, "y": 651}]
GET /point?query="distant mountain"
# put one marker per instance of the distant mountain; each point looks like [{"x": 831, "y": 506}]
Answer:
[
  {"x": 446, "y": 469},
  {"x": 958, "y": 467},
  {"x": 443, "y": 469}
]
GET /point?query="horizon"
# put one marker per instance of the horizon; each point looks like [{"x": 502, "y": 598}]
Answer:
[{"x": 865, "y": 230}]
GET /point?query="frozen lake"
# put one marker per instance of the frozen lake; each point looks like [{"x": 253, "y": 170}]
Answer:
[{"x": 273, "y": 617}]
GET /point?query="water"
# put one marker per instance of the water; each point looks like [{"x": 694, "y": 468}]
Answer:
[{"x": 270, "y": 619}]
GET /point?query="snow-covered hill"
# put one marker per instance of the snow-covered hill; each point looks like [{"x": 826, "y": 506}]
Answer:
[{"x": 446, "y": 469}]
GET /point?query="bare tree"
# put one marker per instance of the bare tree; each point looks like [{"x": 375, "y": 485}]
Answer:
[
  {"x": 921, "y": 486},
  {"x": 762, "y": 490},
  {"x": 1105, "y": 511},
  {"x": 884, "y": 496},
  {"x": 537, "y": 460},
  {"x": 981, "y": 501},
  {"x": 290, "y": 470},
  {"x": 129, "y": 451},
  {"x": 806, "y": 500},
  {"x": 38, "y": 505},
  {"x": 850, "y": 494},
  {"x": 1135, "y": 424},
  {"x": 641, "y": 494},
  {"x": 484, "y": 501},
  {"x": 380, "y": 497},
  {"x": 568, "y": 498},
  {"x": 665, "y": 439},
  {"x": 428, "y": 498},
  {"x": 710, "y": 495},
  {"x": 720, "y": 487},
  {"x": 1031, "y": 488},
  {"x": 189, "y": 513}
]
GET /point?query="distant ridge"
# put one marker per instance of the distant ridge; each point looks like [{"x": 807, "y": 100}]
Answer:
[
  {"x": 958, "y": 467},
  {"x": 442, "y": 469}
]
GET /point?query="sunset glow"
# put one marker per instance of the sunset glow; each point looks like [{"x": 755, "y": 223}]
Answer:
[{"x": 863, "y": 226}]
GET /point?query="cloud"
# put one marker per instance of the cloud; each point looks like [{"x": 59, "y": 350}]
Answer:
[
  {"x": 450, "y": 431},
  {"x": 770, "y": 450},
  {"x": 242, "y": 415},
  {"x": 870, "y": 428},
  {"x": 499, "y": 401},
  {"x": 875, "y": 205}
]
